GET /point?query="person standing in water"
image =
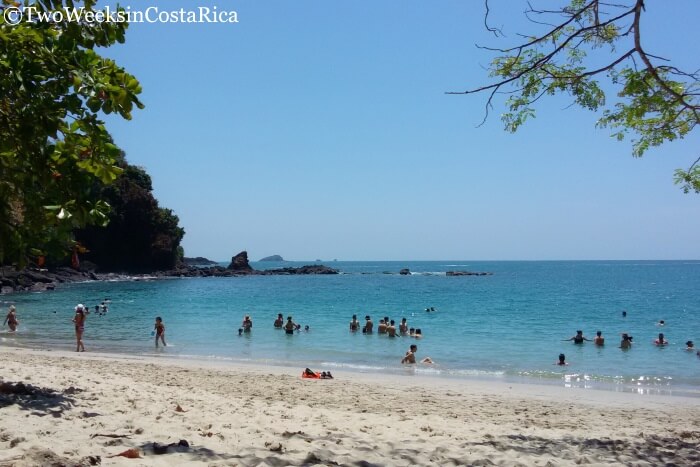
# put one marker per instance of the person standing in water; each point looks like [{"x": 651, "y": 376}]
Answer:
[
  {"x": 354, "y": 324},
  {"x": 79, "y": 321},
  {"x": 367, "y": 329},
  {"x": 279, "y": 322},
  {"x": 403, "y": 327},
  {"x": 247, "y": 324},
  {"x": 578, "y": 338},
  {"x": 160, "y": 331},
  {"x": 626, "y": 342},
  {"x": 11, "y": 319},
  {"x": 290, "y": 326},
  {"x": 599, "y": 339}
]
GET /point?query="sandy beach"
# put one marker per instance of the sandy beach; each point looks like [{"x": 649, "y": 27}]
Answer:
[{"x": 80, "y": 409}]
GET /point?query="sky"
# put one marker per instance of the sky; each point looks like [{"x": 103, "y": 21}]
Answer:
[{"x": 322, "y": 130}]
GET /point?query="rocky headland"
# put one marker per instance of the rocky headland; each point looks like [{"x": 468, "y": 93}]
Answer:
[
  {"x": 37, "y": 280},
  {"x": 240, "y": 266}
]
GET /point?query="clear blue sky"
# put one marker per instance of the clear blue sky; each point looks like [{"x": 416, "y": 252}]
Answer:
[{"x": 320, "y": 129}]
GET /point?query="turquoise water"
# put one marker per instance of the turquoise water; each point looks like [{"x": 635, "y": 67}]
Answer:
[{"x": 508, "y": 326}]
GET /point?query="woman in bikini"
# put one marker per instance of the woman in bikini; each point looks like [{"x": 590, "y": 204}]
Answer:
[
  {"x": 160, "y": 331},
  {"x": 11, "y": 319},
  {"x": 79, "y": 321}
]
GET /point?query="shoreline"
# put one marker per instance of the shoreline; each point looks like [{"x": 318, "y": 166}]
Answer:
[
  {"x": 431, "y": 374},
  {"x": 239, "y": 415},
  {"x": 521, "y": 386}
]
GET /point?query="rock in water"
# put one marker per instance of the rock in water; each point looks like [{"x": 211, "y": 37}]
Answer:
[{"x": 240, "y": 262}]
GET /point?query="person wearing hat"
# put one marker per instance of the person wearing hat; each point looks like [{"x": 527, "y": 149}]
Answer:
[
  {"x": 11, "y": 319},
  {"x": 79, "y": 321},
  {"x": 247, "y": 324}
]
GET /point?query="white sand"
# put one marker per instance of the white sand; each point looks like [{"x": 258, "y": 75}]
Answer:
[{"x": 235, "y": 415}]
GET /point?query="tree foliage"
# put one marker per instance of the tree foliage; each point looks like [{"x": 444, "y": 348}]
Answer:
[
  {"x": 582, "y": 43},
  {"x": 54, "y": 149},
  {"x": 140, "y": 235}
]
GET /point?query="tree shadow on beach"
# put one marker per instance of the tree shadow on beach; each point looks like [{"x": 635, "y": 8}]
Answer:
[{"x": 39, "y": 401}]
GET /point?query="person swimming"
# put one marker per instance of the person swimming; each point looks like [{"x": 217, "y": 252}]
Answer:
[
  {"x": 689, "y": 345},
  {"x": 660, "y": 340},
  {"x": 562, "y": 360}
]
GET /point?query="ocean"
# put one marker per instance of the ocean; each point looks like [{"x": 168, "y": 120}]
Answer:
[{"x": 507, "y": 326}]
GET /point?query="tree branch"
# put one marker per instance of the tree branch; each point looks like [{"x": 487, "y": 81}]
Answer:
[{"x": 496, "y": 31}]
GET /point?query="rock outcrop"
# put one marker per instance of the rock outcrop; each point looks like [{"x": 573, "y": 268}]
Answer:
[
  {"x": 240, "y": 263},
  {"x": 38, "y": 280},
  {"x": 199, "y": 261},
  {"x": 467, "y": 273},
  {"x": 309, "y": 269}
]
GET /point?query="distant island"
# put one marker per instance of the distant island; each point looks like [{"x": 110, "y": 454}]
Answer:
[
  {"x": 198, "y": 261},
  {"x": 273, "y": 258}
]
